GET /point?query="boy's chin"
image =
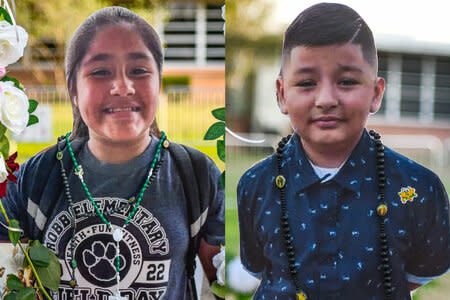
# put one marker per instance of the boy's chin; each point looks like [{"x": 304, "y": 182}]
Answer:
[{"x": 330, "y": 138}]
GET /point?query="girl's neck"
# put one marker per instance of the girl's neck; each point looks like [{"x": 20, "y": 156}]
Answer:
[{"x": 117, "y": 152}]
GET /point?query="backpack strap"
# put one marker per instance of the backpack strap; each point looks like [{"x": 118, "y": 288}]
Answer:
[
  {"x": 192, "y": 166},
  {"x": 47, "y": 180}
]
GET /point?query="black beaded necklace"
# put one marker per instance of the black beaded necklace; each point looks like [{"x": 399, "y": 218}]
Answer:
[{"x": 280, "y": 181}]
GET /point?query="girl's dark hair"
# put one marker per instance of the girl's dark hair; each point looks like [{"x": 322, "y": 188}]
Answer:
[
  {"x": 327, "y": 24},
  {"x": 81, "y": 40}
]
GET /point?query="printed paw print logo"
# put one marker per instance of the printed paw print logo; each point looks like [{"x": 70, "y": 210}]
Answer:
[
  {"x": 100, "y": 261},
  {"x": 407, "y": 194}
]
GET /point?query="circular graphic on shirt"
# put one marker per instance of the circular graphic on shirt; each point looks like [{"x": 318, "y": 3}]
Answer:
[
  {"x": 144, "y": 261},
  {"x": 95, "y": 254}
]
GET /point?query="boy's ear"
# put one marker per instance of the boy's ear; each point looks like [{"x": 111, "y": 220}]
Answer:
[
  {"x": 281, "y": 100},
  {"x": 380, "y": 85}
]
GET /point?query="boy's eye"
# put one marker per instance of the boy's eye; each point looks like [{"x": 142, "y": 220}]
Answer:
[
  {"x": 306, "y": 83},
  {"x": 100, "y": 73},
  {"x": 348, "y": 82}
]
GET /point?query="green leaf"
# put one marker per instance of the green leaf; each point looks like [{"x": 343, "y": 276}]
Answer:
[
  {"x": 10, "y": 296},
  {"x": 219, "y": 113},
  {"x": 5, "y": 16},
  {"x": 51, "y": 275},
  {"x": 32, "y": 120},
  {"x": 26, "y": 294},
  {"x": 221, "y": 150},
  {"x": 218, "y": 290},
  {"x": 39, "y": 254},
  {"x": 215, "y": 131},
  {"x": 14, "y": 283},
  {"x": 4, "y": 146},
  {"x": 222, "y": 180},
  {"x": 2, "y": 129},
  {"x": 16, "y": 82},
  {"x": 33, "y": 105},
  {"x": 14, "y": 236}
]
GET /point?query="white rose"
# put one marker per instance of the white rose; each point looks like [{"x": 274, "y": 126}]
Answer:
[
  {"x": 13, "y": 107},
  {"x": 219, "y": 263},
  {"x": 239, "y": 279},
  {"x": 11, "y": 49},
  {"x": 3, "y": 172},
  {"x": 9, "y": 262}
]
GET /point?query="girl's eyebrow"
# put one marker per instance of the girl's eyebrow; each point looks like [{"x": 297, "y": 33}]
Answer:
[
  {"x": 139, "y": 55},
  {"x": 98, "y": 57},
  {"x": 107, "y": 56}
]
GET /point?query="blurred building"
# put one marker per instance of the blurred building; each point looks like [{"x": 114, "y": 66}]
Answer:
[{"x": 193, "y": 40}]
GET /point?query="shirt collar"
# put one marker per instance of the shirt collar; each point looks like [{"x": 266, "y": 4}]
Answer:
[
  {"x": 300, "y": 170},
  {"x": 349, "y": 176},
  {"x": 352, "y": 173}
]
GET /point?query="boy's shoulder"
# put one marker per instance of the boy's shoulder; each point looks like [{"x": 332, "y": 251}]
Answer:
[{"x": 258, "y": 171}]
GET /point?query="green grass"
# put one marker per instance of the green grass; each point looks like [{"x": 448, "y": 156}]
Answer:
[{"x": 231, "y": 233}]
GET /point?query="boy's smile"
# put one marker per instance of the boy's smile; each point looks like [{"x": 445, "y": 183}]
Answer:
[{"x": 328, "y": 93}]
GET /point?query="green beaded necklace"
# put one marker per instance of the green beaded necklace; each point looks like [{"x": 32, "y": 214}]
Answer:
[{"x": 118, "y": 231}]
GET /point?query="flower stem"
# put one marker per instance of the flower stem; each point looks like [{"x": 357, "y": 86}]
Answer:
[
  {"x": 41, "y": 287},
  {"x": 4, "y": 211}
]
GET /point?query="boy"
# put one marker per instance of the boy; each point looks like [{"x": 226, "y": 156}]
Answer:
[{"x": 333, "y": 214}]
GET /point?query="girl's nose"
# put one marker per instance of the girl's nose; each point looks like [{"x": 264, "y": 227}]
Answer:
[{"x": 122, "y": 86}]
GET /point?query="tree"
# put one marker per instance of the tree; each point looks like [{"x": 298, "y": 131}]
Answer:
[{"x": 247, "y": 45}]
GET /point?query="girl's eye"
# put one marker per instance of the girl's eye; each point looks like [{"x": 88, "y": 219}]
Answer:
[
  {"x": 139, "y": 71},
  {"x": 100, "y": 73},
  {"x": 348, "y": 82}
]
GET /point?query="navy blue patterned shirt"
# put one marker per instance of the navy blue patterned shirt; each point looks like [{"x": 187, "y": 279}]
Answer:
[{"x": 335, "y": 225}]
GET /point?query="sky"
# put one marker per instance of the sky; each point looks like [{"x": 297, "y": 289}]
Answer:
[{"x": 426, "y": 20}]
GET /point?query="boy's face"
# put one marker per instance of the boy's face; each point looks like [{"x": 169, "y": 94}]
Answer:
[{"x": 328, "y": 93}]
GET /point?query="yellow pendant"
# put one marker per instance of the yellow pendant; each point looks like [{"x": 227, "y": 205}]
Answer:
[
  {"x": 166, "y": 144},
  {"x": 382, "y": 210},
  {"x": 301, "y": 296},
  {"x": 280, "y": 181}
]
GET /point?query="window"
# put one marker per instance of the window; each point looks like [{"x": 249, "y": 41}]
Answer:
[
  {"x": 442, "y": 88},
  {"x": 410, "y": 90},
  {"x": 382, "y": 72},
  {"x": 194, "y": 33}
]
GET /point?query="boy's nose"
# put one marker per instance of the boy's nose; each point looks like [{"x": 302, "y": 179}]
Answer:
[
  {"x": 122, "y": 86},
  {"x": 326, "y": 96}
]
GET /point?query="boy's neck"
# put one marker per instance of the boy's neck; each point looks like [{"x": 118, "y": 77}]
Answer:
[{"x": 329, "y": 156}]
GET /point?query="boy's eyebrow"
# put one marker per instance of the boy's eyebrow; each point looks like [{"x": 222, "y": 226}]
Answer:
[
  {"x": 347, "y": 68},
  {"x": 304, "y": 70}
]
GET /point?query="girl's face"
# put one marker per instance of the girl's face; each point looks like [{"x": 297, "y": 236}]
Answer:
[{"x": 117, "y": 86}]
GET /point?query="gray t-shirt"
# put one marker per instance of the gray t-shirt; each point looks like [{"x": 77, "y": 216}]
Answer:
[{"x": 154, "y": 247}]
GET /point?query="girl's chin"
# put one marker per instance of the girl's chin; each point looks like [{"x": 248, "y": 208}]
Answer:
[{"x": 119, "y": 135}]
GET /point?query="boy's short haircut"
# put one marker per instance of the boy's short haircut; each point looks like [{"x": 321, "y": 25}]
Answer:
[{"x": 327, "y": 24}]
